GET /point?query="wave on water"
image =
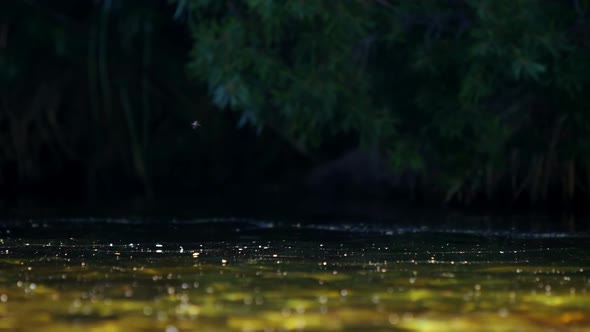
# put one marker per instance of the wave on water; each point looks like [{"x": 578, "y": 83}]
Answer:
[
  {"x": 374, "y": 228},
  {"x": 396, "y": 230}
]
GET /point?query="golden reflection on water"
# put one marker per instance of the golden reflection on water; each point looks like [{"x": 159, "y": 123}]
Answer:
[{"x": 392, "y": 282}]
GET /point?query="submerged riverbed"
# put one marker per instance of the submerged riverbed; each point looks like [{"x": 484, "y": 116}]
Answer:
[{"x": 244, "y": 275}]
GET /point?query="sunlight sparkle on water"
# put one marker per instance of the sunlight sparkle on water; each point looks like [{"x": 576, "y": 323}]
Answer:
[{"x": 266, "y": 281}]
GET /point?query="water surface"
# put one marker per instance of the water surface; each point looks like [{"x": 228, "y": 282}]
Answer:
[{"x": 252, "y": 275}]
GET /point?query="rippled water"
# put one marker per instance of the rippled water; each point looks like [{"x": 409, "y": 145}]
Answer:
[{"x": 239, "y": 275}]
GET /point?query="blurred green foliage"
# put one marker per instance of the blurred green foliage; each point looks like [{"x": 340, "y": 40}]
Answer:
[
  {"x": 477, "y": 97},
  {"x": 94, "y": 95}
]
